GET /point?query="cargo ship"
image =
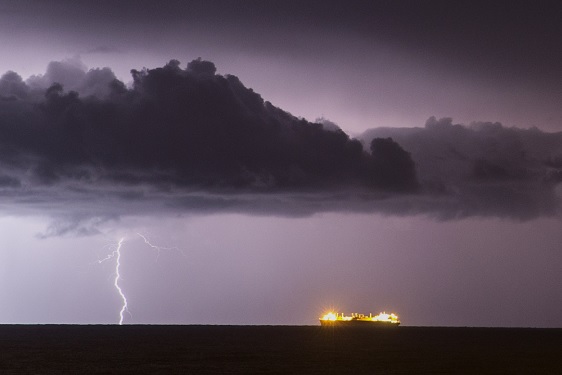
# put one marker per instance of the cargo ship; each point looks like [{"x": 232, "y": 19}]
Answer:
[{"x": 334, "y": 319}]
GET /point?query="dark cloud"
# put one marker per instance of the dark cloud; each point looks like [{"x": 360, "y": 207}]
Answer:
[
  {"x": 483, "y": 168},
  {"x": 12, "y": 86},
  {"x": 394, "y": 165},
  {"x": 75, "y": 225},
  {"x": 73, "y": 75},
  {"x": 8, "y": 181},
  {"x": 327, "y": 124},
  {"x": 187, "y": 140},
  {"x": 176, "y": 130}
]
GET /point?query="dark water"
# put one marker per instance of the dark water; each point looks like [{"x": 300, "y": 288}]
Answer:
[{"x": 71, "y": 349}]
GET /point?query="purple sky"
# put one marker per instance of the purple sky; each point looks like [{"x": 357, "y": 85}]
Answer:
[{"x": 271, "y": 224}]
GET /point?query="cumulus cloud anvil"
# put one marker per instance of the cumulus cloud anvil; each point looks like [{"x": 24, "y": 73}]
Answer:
[{"x": 189, "y": 139}]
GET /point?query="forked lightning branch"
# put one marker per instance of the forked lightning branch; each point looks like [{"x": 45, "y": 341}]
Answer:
[{"x": 116, "y": 254}]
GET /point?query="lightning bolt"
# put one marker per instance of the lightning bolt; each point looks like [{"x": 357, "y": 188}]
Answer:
[
  {"x": 116, "y": 254},
  {"x": 158, "y": 248}
]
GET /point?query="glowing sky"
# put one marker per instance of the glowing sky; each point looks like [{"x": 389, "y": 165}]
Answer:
[{"x": 480, "y": 245}]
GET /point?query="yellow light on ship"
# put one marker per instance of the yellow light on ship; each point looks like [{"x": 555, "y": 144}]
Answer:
[
  {"x": 330, "y": 316},
  {"x": 381, "y": 316},
  {"x": 384, "y": 317}
]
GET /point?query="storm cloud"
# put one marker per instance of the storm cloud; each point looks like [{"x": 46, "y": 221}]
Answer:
[
  {"x": 74, "y": 133},
  {"x": 84, "y": 147},
  {"x": 483, "y": 169},
  {"x": 174, "y": 127}
]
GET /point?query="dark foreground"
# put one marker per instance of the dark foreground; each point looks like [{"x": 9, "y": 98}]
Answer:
[{"x": 69, "y": 349}]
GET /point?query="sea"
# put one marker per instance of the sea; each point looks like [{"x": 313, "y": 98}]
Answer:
[{"x": 217, "y": 349}]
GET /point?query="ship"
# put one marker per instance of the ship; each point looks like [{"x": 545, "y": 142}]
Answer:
[{"x": 334, "y": 319}]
